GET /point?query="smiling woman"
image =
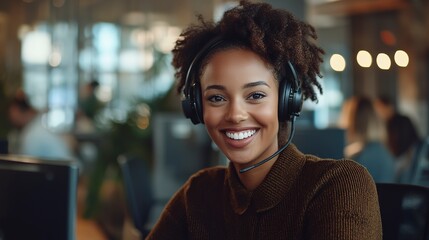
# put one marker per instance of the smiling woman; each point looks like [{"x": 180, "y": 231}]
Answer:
[
  {"x": 245, "y": 77},
  {"x": 240, "y": 96}
]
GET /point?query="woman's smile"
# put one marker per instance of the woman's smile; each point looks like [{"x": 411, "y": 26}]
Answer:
[
  {"x": 239, "y": 139},
  {"x": 240, "y": 135}
]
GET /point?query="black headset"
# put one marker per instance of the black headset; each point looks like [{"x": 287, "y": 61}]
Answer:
[{"x": 290, "y": 96}]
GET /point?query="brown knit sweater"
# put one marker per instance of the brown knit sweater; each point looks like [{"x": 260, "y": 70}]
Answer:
[{"x": 302, "y": 197}]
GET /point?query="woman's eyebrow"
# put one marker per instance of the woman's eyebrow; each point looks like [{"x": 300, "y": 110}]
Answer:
[
  {"x": 218, "y": 87},
  {"x": 247, "y": 85},
  {"x": 254, "y": 84}
]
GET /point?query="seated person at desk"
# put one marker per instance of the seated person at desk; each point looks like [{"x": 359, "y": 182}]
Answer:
[
  {"x": 243, "y": 78},
  {"x": 32, "y": 137},
  {"x": 406, "y": 145},
  {"x": 366, "y": 137}
]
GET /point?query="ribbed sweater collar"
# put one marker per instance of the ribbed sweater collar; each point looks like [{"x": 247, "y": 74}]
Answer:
[{"x": 273, "y": 188}]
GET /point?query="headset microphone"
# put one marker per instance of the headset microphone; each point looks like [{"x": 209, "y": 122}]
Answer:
[{"x": 292, "y": 131}]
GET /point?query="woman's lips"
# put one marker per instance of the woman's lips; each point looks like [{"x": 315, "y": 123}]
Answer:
[{"x": 239, "y": 139}]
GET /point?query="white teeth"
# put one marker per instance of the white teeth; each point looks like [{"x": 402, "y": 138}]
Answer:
[{"x": 240, "y": 135}]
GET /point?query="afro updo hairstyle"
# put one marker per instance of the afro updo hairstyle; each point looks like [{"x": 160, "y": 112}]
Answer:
[{"x": 274, "y": 34}]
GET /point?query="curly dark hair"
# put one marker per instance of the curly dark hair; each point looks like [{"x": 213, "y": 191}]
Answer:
[{"x": 274, "y": 34}]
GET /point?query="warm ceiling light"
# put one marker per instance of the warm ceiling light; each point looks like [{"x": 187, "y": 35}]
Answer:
[
  {"x": 364, "y": 58},
  {"x": 383, "y": 61},
  {"x": 338, "y": 63},
  {"x": 401, "y": 58}
]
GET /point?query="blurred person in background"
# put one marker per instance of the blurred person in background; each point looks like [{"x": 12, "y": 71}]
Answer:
[
  {"x": 88, "y": 109},
  {"x": 405, "y": 143},
  {"x": 384, "y": 107},
  {"x": 366, "y": 137},
  {"x": 89, "y": 104},
  {"x": 245, "y": 78},
  {"x": 32, "y": 137}
]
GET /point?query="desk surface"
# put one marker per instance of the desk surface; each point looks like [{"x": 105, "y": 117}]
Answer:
[{"x": 87, "y": 229}]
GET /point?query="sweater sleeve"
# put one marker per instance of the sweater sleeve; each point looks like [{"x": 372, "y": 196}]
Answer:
[
  {"x": 344, "y": 206},
  {"x": 172, "y": 222}
]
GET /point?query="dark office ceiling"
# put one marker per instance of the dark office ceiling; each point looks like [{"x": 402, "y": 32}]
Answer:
[
  {"x": 177, "y": 12},
  {"x": 353, "y": 7}
]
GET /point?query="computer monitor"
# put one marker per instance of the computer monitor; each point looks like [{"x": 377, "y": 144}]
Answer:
[
  {"x": 38, "y": 198},
  {"x": 4, "y": 146},
  {"x": 324, "y": 143}
]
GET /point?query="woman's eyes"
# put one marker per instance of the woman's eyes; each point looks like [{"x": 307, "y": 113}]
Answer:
[
  {"x": 216, "y": 98},
  {"x": 252, "y": 97},
  {"x": 256, "y": 96}
]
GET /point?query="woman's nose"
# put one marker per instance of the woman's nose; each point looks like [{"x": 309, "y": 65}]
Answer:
[{"x": 236, "y": 112}]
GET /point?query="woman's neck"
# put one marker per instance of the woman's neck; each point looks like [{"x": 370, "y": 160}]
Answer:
[{"x": 253, "y": 178}]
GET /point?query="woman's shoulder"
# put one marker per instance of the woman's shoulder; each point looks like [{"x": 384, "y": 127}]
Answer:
[
  {"x": 345, "y": 170},
  {"x": 341, "y": 179},
  {"x": 331, "y": 162}
]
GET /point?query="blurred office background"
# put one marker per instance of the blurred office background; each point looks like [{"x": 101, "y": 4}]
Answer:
[{"x": 56, "y": 50}]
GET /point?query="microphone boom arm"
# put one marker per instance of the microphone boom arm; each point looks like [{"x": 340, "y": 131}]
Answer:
[{"x": 292, "y": 131}]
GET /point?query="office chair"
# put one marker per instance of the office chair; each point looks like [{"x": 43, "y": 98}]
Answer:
[
  {"x": 420, "y": 167},
  {"x": 138, "y": 190},
  {"x": 404, "y": 211}
]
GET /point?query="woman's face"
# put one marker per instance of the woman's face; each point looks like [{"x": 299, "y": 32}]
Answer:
[{"x": 240, "y": 101}]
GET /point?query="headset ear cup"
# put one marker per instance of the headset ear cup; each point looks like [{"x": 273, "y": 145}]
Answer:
[
  {"x": 290, "y": 96},
  {"x": 187, "y": 108},
  {"x": 198, "y": 102},
  {"x": 191, "y": 105},
  {"x": 295, "y": 103},
  {"x": 282, "y": 105},
  {"x": 290, "y": 101}
]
